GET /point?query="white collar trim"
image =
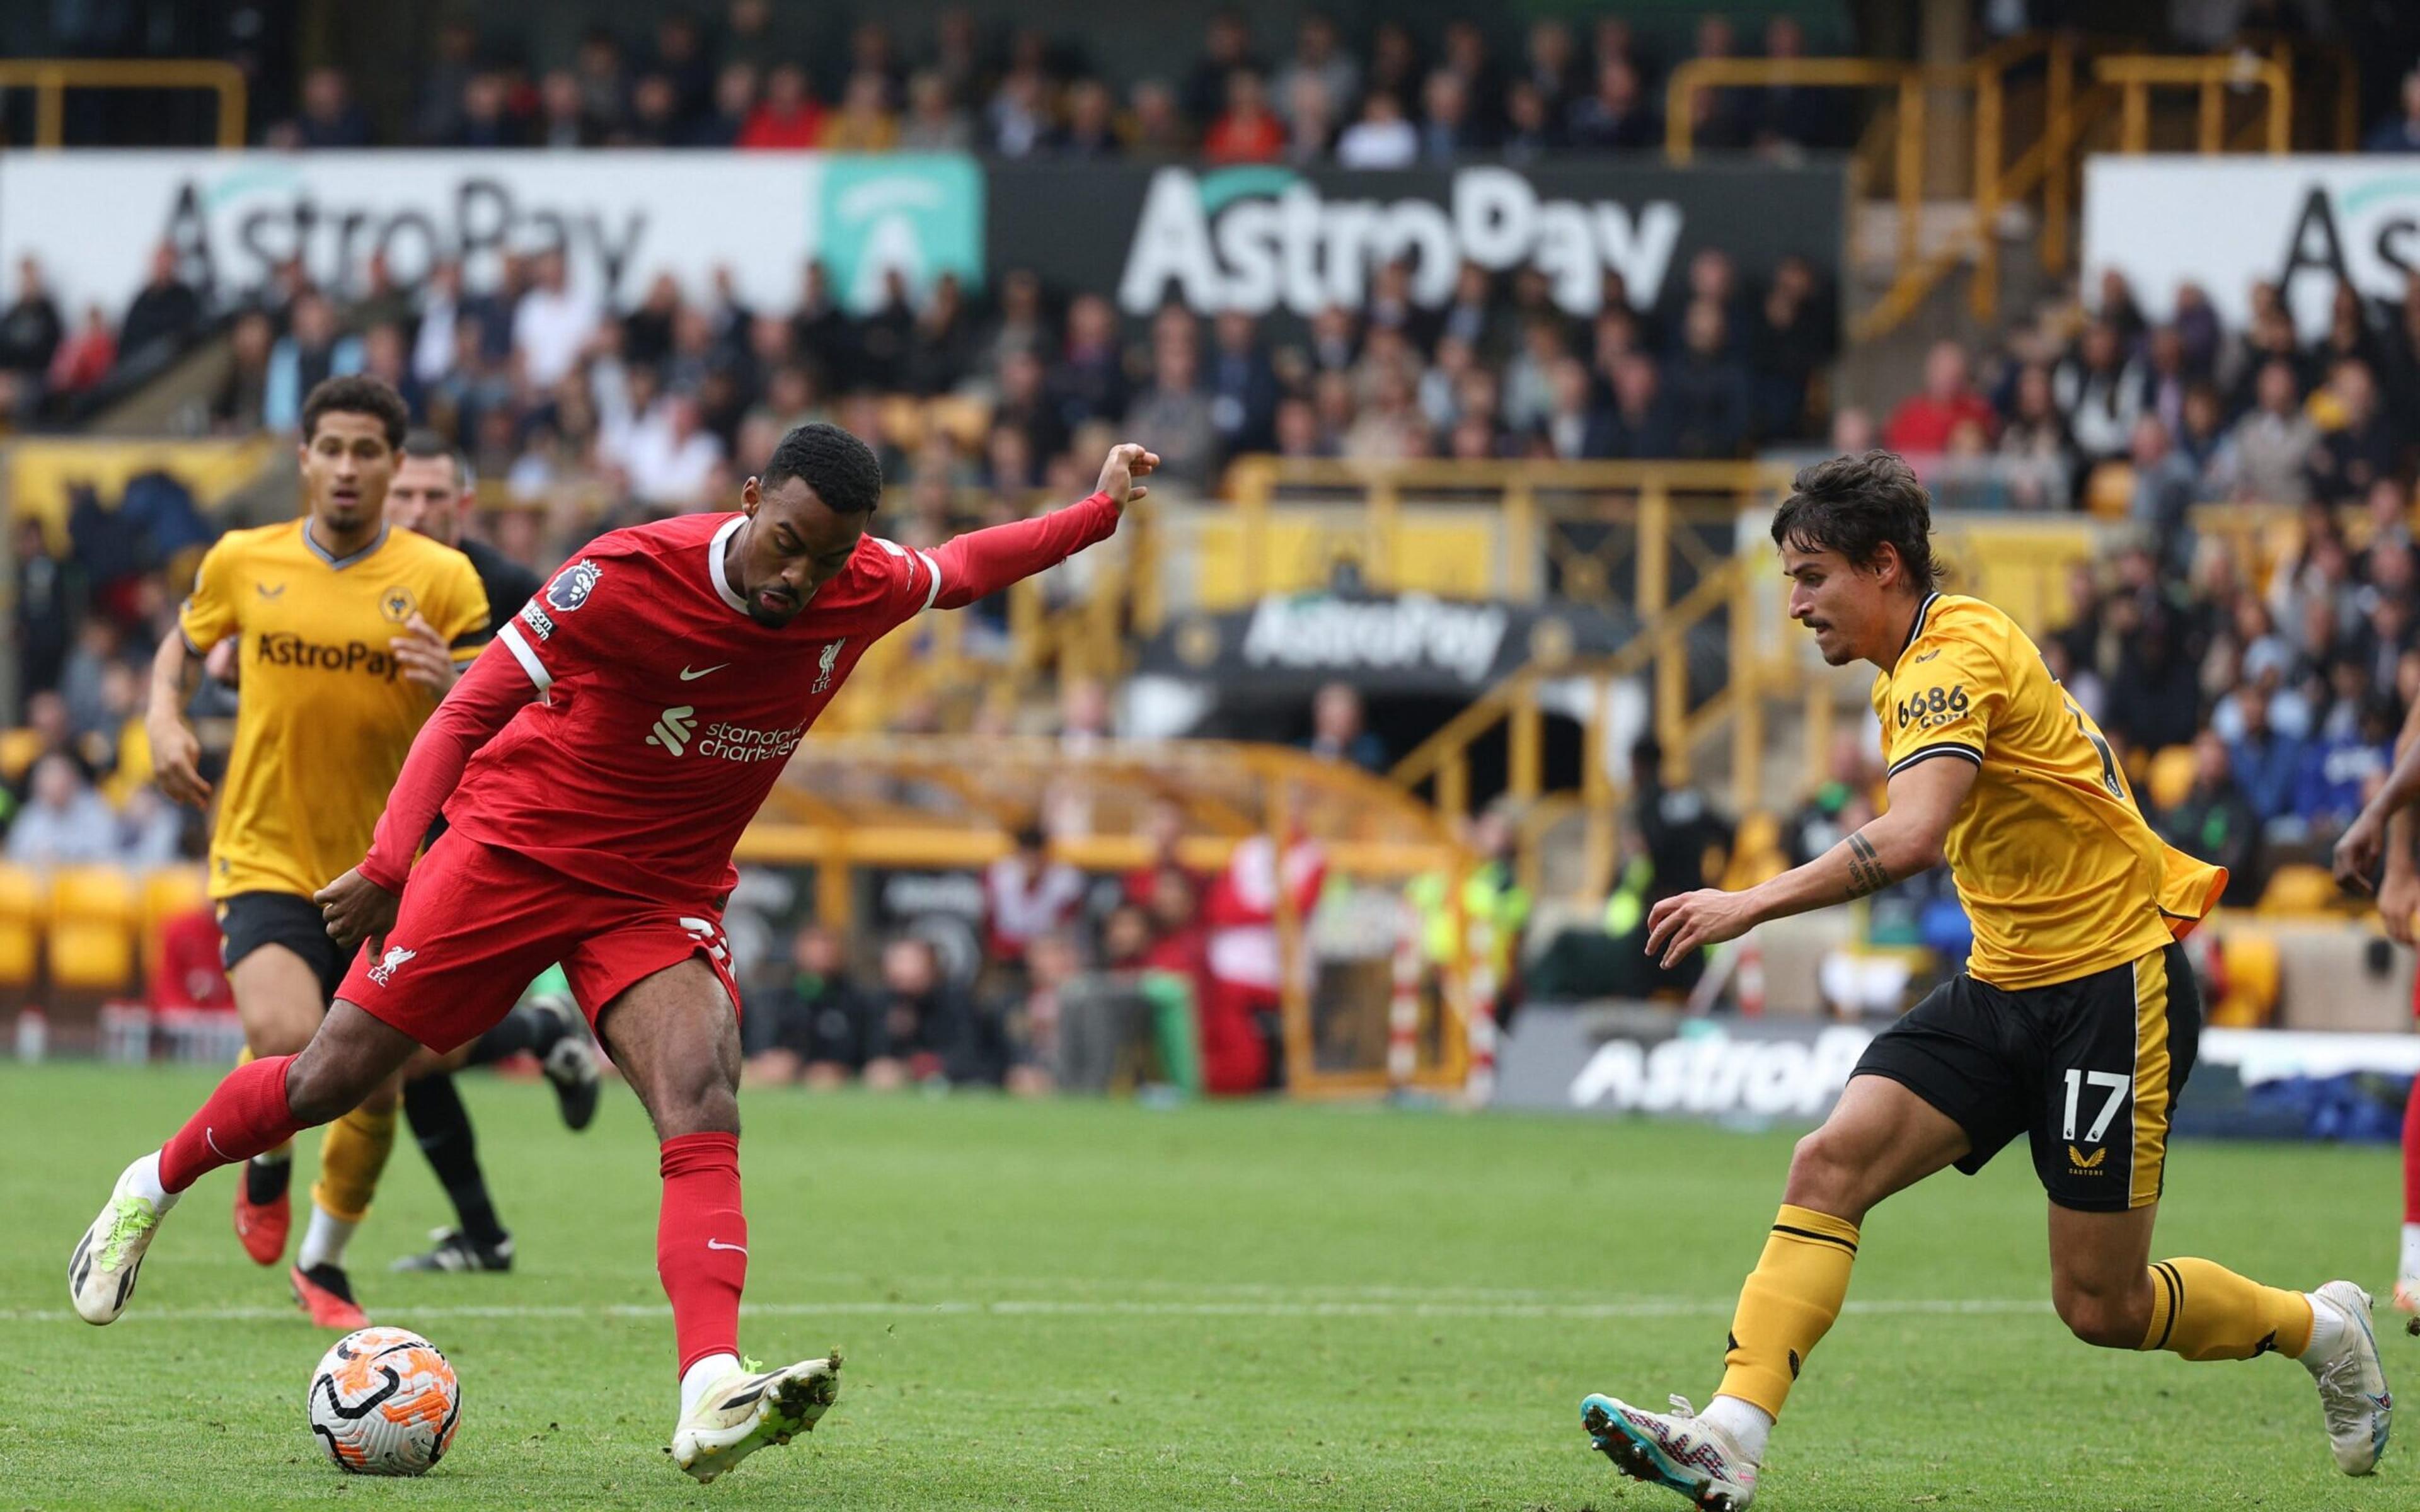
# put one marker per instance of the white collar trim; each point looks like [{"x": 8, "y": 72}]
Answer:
[{"x": 722, "y": 589}]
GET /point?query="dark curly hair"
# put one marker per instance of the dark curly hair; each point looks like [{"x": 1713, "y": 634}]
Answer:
[
  {"x": 357, "y": 394},
  {"x": 1856, "y": 505},
  {"x": 843, "y": 470}
]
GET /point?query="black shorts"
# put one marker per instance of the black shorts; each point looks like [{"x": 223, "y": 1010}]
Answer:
[
  {"x": 2089, "y": 1068},
  {"x": 249, "y": 921}
]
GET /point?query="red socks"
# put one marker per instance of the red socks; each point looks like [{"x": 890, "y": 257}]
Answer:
[
  {"x": 2412, "y": 1156},
  {"x": 702, "y": 1243},
  {"x": 246, "y": 1115}
]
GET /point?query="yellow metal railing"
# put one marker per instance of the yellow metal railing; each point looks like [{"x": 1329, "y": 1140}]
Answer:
[
  {"x": 2047, "y": 166},
  {"x": 52, "y": 77}
]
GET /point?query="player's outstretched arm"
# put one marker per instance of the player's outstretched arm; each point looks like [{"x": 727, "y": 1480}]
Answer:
[
  {"x": 1907, "y": 840},
  {"x": 175, "y": 750},
  {"x": 982, "y": 562}
]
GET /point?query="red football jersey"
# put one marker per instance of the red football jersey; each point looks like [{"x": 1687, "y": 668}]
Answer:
[{"x": 666, "y": 713}]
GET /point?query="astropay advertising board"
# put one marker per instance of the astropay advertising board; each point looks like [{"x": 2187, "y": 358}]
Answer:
[
  {"x": 620, "y": 218},
  {"x": 2303, "y": 223}
]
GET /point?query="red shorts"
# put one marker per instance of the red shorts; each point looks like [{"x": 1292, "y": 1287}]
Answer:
[{"x": 478, "y": 923}]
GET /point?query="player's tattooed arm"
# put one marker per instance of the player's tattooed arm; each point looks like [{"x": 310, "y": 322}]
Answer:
[{"x": 1867, "y": 874}]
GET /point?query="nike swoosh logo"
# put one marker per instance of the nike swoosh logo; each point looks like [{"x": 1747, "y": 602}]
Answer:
[
  {"x": 716, "y": 1243},
  {"x": 688, "y": 676},
  {"x": 208, "y": 1133}
]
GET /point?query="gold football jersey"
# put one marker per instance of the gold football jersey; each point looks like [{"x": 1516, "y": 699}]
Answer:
[
  {"x": 324, "y": 716},
  {"x": 2059, "y": 872}
]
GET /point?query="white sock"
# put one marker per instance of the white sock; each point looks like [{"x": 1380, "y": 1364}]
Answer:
[
  {"x": 2328, "y": 1326},
  {"x": 142, "y": 1179},
  {"x": 2410, "y": 1270},
  {"x": 704, "y": 1374},
  {"x": 324, "y": 1241},
  {"x": 1747, "y": 1424}
]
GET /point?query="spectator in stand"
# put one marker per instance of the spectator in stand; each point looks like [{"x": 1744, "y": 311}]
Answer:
[
  {"x": 1789, "y": 343},
  {"x": 672, "y": 458},
  {"x": 1311, "y": 120},
  {"x": 2357, "y": 443},
  {"x": 1226, "y": 46},
  {"x": 1382, "y": 138},
  {"x": 923, "y": 1018},
  {"x": 312, "y": 351},
  {"x": 1446, "y": 132},
  {"x": 1531, "y": 129},
  {"x": 485, "y": 119},
  {"x": 436, "y": 111},
  {"x": 604, "y": 88},
  {"x": 2267, "y": 762},
  {"x": 2266, "y": 456},
  {"x": 2342, "y": 768},
  {"x": 1243, "y": 386},
  {"x": 733, "y": 105},
  {"x": 1574, "y": 428},
  {"x": 1644, "y": 427},
  {"x": 167, "y": 311},
  {"x": 818, "y": 1028},
  {"x": 935, "y": 122},
  {"x": 1553, "y": 64},
  {"x": 1617, "y": 117},
  {"x": 1319, "y": 53},
  {"x": 328, "y": 117},
  {"x": 30, "y": 327},
  {"x": 1090, "y": 133},
  {"x": 1792, "y": 117},
  {"x": 1156, "y": 129},
  {"x": 1025, "y": 896},
  {"x": 2037, "y": 440},
  {"x": 2401, "y": 133},
  {"x": 2164, "y": 488},
  {"x": 788, "y": 119},
  {"x": 2216, "y": 822},
  {"x": 64, "y": 822},
  {"x": 1019, "y": 111},
  {"x": 680, "y": 59},
  {"x": 2100, "y": 393},
  {"x": 1090, "y": 382},
  {"x": 1923, "y": 424},
  {"x": 553, "y": 324},
  {"x": 1712, "y": 407},
  {"x": 85, "y": 357},
  {"x": 1338, "y": 732},
  {"x": 863, "y": 123},
  {"x": 563, "y": 113},
  {"x": 1248, "y": 131}
]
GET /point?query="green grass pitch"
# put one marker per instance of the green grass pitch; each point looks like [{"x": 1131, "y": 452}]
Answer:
[{"x": 1080, "y": 1306}]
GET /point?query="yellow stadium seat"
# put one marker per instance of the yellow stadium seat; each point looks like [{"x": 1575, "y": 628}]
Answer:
[
  {"x": 168, "y": 892},
  {"x": 23, "y": 909},
  {"x": 966, "y": 420},
  {"x": 89, "y": 955},
  {"x": 2251, "y": 963},
  {"x": 17, "y": 748},
  {"x": 2109, "y": 492},
  {"x": 2172, "y": 777},
  {"x": 93, "y": 894},
  {"x": 2301, "y": 889}
]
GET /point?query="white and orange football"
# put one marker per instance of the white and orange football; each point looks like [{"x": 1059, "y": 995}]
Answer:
[{"x": 384, "y": 1402}]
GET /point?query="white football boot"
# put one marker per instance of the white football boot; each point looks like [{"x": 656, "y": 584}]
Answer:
[
  {"x": 1674, "y": 1450},
  {"x": 747, "y": 1411},
  {"x": 2352, "y": 1383},
  {"x": 101, "y": 1272}
]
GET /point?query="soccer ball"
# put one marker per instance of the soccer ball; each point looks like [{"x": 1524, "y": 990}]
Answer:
[{"x": 384, "y": 1402}]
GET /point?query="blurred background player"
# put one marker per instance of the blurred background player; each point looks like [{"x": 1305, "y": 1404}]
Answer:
[
  {"x": 349, "y": 633},
  {"x": 433, "y": 493},
  {"x": 2075, "y": 1025}
]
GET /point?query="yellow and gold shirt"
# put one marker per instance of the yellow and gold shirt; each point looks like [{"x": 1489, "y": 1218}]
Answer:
[
  {"x": 324, "y": 714},
  {"x": 2060, "y": 875}
]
